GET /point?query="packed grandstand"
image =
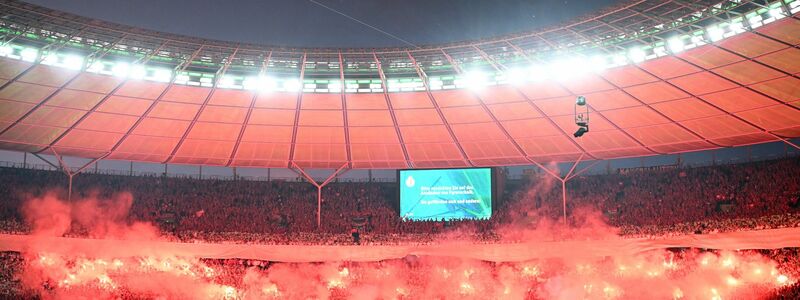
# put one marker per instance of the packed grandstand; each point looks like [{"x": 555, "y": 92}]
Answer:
[{"x": 642, "y": 79}]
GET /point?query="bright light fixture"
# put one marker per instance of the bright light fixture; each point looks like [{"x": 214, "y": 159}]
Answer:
[
  {"x": 636, "y": 54},
  {"x": 598, "y": 63},
  {"x": 736, "y": 27},
  {"x": 137, "y": 72},
  {"x": 163, "y": 75},
  {"x": 715, "y": 33},
  {"x": 435, "y": 84},
  {"x": 475, "y": 80},
  {"x": 6, "y": 50},
  {"x": 29, "y": 54},
  {"x": 620, "y": 60},
  {"x": 291, "y": 85},
  {"x": 50, "y": 59},
  {"x": 755, "y": 21},
  {"x": 567, "y": 68},
  {"x": 182, "y": 78},
  {"x": 95, "y": 67},
  {"x": 676, "y": 45},
  {"x": 777, "y": 13},
  {"x": 261, "y": 83},
  {"x": 226, "y": 81},
  {"x": 515, "y": 76},
  {"x": 537, "y": 73},
  {"x": 73, "y": 62},
  {"x": 121, "y": 69}
]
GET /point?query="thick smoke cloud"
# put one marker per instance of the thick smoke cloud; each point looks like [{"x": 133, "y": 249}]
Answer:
[
  {"x": 99, "y": 218},
  {"x": 652, "y": 275}
]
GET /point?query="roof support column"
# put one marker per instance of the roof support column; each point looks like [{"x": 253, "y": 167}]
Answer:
[
  {"x": 570, "y": 174},
  {"x": 341, "y": 170},
  {"x": 67, "y": 170}
]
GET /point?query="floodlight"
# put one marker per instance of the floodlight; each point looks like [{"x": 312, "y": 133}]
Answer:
[
  {"x": 434, "y": 83},
  {"x": 121, "y": 69},
  {"x": 620, "y": 60},
  {"x": 515, "y": 76},
  {"x": 291, "y": 85},
  {"x": 777, "y": 13},
  {"x": 537, "y": 73},
  {"x": 261, "y": 83},
  {"x": 73, "y": 62},
  {"x": 736, "y": 27},
  {"x": 226, "y": 81},
  {"x": 137, "y": 72},
  {"x": 570, "y": 67},
  {"x": 29, "y": 54},
  {"x": 475, "y": 80},
  {"x": 660, "y": 51},
  {"x": 163, "y": 75},
  {"x": 95, "y": 67},
  {"x": 636, "y": 54},
  {"x": 6, "y": 50},
  {"x": 50, "y": 59},
  {"x": 676, "y": 45},
  {"x": 715, "y": 33},
  {"x": 581, "y": 130},
  {"x": 755, "y": 21},
  {"x": 598, "y": 63},
  {"x": 182, "y": 78}
]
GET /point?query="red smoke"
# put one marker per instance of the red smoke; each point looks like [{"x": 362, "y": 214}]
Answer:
[
  {"x": 99, "y": 218},
  {"x": 653, "y": 275}
]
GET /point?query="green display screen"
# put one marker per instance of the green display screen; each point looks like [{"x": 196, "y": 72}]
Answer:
[{"x": 445, "y": 194}]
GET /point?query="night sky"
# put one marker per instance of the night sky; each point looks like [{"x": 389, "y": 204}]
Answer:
[{"x": 305, "y": 23}]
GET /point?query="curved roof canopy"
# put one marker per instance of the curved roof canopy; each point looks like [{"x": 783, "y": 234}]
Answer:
[{"x": 466, "y": 105}]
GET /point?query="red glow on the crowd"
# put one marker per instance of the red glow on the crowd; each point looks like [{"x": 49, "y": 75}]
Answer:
[{"x": 689, "y": 274}]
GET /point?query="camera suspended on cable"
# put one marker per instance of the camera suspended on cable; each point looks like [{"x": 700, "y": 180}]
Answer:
[{"x": 581, "y": 116}]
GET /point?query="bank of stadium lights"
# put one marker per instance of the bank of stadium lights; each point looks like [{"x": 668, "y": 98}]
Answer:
[
  {"x": 137, "y": 72},
  {"x": 227, "y": 82},
  {"x": 29, "y": 54},
  {"x": 537, "y": 73},
  {"x": 715, "y": 33},
  {"x": 292, "y": 85},
  {"x": 334, "y": 86},
  {"x": 121, "y": 69},
  {"x": 559, "y": 68},
  {"x": 6, "y": 50},
  {"x": 598, "y": 62},
  {"x": 260, "y": 83},
  {"x": 474, "y": 80},
  {"x": 162, "y": 75},
  {"x": 435, "y": 83},
  {"x": 69, "y": 61},
  {"x": 777, "y": 13},
  {"x": 515, "y": 76},
  {"x": 568, "y": 68},
  {"x": 676, "y": 45},
  {"x": 636, "y": 54}
]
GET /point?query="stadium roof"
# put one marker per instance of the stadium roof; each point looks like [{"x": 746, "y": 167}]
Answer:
[{"x": 660, "y": 77}]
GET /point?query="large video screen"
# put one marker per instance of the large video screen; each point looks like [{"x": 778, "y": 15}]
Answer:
[{"x": 445, "y": 194}]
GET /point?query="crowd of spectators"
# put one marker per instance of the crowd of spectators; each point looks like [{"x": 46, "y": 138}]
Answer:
[
  {"x": 755, "y": 195},
  {"x": 234, "y": 273}
]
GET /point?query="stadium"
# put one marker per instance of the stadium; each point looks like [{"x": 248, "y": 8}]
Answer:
[{"x": 647, "y": 150}]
